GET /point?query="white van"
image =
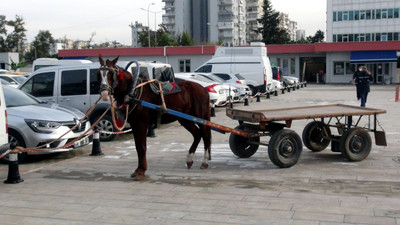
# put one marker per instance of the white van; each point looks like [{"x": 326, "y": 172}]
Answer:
[
  {"x": 45, "y": 62},
  {"x": 3, "y": 123},
  {"x": 250, "y": 62}
]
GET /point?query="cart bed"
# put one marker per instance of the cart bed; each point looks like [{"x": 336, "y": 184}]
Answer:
[{"x": 297, "y": 113}]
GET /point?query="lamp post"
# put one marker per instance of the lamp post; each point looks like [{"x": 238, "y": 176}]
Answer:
[
  {"x": 148, "y": 20},
  {"x": 155, "y": 25}
]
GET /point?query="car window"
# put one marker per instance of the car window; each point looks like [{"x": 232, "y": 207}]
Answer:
[
  {"x": 223, "y": 76},
  {"x": 163, "y": 74},
  {"x": 15, "y": 97},
  {"x": 73, "y": 82},
  {"x": 40, "y": 85},
  {"x": 94, "y": 82},
  {"x": 20, "y": 79},
  {"x": 217, "y": 78},
  {"x": 6, "y": 79},
  {"x": 239, "y": 77},
  {"x": 205, "y": 69}
]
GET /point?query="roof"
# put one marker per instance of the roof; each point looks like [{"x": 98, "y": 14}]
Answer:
[{"x": 210, "y": 50}]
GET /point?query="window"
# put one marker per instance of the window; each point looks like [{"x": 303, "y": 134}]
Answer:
[
  {"x": 351, "y": 37},
  {"x": 41, "y": 85},
  {"x": 334, "y": 16},
  {"x": 356, "y": 37},
  {"x": 339, "y": 16},
  {"x": 390, "y": 13},
  {"x": 396, "y": 13},
  {"x": 184, "y": 65},
  {"x": 384, "y": 37},
  {"x": 390, "y": 36},
  {"x": 345, "y": 15},
  {"x": 351, "y": 15},
  {"x": 378, "y": 14},
  {"x": 339, "y": 38},
  {"x": 361, "y": 37},
  {"x": 384, "y": 13},
  {"x": 395, "y": 36},
  {"x": 339, "y": 68},
  {"x": 350, "y": 68},
  {"x": 205, "y": 69},
  {"x": 73, "y": 82},
  {"x": 94, "y": 82},
  {"x": 362, "y": 15},
  {"x": 334, "y": 38},
  {"x": 356, "y": 15},
  {"x": 377, "y": 37},
  {"x": 292, "y": 66},
  {"x": 368, "y": 37},
  {"x": 373, "y": 14},
  {"x": 345, "y": 38},
  {"x": 368, "y": 14}
]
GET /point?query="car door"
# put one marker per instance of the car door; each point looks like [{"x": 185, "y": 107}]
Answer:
[
  {"x": 73, "y": 88},
  {"x": 41, "y": 85}
]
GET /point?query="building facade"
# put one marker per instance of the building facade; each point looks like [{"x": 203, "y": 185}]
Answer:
[{"x": 136, "y": 29}]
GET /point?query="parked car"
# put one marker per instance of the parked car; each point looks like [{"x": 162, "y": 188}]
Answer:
[
  {"x": 32, "y": 123},
  {"x": 13, "y": 79},
  {"x": 290, "y": 81},
  {"x": 233, "y": 92},
  {"x": 276, "y": 85},
  {"x": 3, "y": 123},
  {"x": 232, "y": 78},
  {"x": 217, "y": 93}
]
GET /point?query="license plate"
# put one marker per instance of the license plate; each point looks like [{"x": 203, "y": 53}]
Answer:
[{"x": 82, "y": 142}]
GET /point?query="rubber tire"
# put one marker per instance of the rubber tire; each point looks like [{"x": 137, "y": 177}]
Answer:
[
  {"x": 105, "y": 124},
  {"x": 279, "y": 141},
  {"x": 313, "y": 136},
  {"x": 356, "y": 144},
  {"x": 239, "y": 145},
  {"x": 16, "y": 138}
]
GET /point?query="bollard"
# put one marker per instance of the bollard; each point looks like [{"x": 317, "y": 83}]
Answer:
[
  {"x": 288, "y": 89},
  {"x": 230, "y": 104},
  {"x": 258, "y": 98},
  {"x": 246, "y": 101},
  {"x": 301, "y": 85},
  {"x": 96, "y": 149},
  {"x": 212, "y": 110},
  {"x": 13, "y": 171},
  {"x": 268, "y": 95},
  {"x": 276, "y": 92},
  {"x": 396, "y": 97},
  {"x": 305, "y": 84},
  {"x": 298, "y": 86},
  {"x": 294, "y": 88},
  {"x": 283, "y": 90}
]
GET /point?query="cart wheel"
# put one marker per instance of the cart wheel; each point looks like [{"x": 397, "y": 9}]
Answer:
[
  {"x": 239, "y": 145},
  {"x": 284, "y": 148},
  {"x": 313, "y": 136},
  {"x": 355, "y": 144}
]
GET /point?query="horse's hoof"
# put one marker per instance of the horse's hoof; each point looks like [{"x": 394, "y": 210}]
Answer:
[
  {"x": 134, "y": 174},
  {"x": 204, "y": 166},
  {"x": 139, "y": 177},
  {"x": 189, "y": 164}
]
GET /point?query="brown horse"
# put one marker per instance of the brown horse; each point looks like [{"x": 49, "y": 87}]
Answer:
[{"x": 193, "y": 99}]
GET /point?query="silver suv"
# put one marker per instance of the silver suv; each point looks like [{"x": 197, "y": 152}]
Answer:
[{"x": 77, "y": 86}]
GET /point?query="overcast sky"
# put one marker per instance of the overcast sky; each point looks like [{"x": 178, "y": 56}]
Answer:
[{"x": 110, "y": 20}]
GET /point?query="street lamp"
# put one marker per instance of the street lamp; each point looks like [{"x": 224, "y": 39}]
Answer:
[{"x": 148, "y": 19}]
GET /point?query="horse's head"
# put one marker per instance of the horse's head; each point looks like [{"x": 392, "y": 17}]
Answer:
[{"x": 114, "y": 79}]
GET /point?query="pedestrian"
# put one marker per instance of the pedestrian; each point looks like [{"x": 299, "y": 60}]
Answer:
[{"x": 361, "y": 78}]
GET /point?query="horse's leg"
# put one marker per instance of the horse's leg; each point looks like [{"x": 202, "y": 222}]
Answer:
[
  {"x": 195, "y": 131},
  {"x": 139, "y": 134},
  {"x": 206, "y": 135}
]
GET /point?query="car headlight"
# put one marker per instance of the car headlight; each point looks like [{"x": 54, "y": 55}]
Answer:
[{"x": 41, "y": 126}]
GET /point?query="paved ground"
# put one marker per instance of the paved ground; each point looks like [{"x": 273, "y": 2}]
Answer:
[{"x": 323, "y": 188}]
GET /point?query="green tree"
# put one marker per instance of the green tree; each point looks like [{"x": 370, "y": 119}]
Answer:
[
  {"x": 186, "y": 40},
  {"x": 43, "y": 43},
  {"x": 13, "y": 41},
  {"x": 270, "y": 30},
  {"x": 318, "y": 37}
]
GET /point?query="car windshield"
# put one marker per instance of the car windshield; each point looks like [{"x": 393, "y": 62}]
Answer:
[{"x": 15, "y": 97}]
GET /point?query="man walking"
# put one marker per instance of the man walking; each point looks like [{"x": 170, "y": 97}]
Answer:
[{"x": 362, "y": 79}]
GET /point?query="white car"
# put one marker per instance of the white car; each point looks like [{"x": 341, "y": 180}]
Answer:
[
  {"x": 276, "y": 85},
  {"x": 217, "y": 92},
  {"x": 231, "y": 89},
  {"x": 290, "y": 81},
  {"x": 13, "y": 79}
]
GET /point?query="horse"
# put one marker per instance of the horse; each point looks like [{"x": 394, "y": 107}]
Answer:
[{"x": 193, "y": 99}]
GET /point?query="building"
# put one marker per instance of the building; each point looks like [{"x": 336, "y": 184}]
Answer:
[
  {"x": 208, "y": 21},
  {"x": 136, "y": 29},
  {"x": 288, "y": 25},
  {"x": 254, "y": 11},
  {"x": 300, "y": 35}
]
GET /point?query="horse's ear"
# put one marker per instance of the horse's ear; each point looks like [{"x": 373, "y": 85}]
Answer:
[
  {"x": 114, "y": 61},
  {"x": 101, "y": 60}
]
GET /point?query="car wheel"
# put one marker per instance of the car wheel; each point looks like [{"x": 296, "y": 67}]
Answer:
[
  {"x": 15, "y": 137},
  {"x": 105, "y": 124}
]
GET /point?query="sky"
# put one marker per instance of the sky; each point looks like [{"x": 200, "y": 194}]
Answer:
[{"x": 110, "y": 20}]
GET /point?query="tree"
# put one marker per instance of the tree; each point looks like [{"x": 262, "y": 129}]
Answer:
[
  {"x": 318, "y": 37},
  {"x": 186, "y": 40},
  {"x": 14, "y": 41},
  {"x": 43, "y": 43},
  {"x": 270, "y": 30}
]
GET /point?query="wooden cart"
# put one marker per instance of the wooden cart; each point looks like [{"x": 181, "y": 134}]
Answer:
[{"x": 285, "y": 146}]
